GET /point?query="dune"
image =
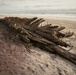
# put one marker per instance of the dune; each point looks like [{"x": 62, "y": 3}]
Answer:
[{"x": 16, "y": 60}]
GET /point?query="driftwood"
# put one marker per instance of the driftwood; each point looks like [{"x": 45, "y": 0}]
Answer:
[{"x": 46, "y": 37}]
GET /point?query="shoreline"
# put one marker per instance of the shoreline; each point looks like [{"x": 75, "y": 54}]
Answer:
[{"x": 45, "y": 16}]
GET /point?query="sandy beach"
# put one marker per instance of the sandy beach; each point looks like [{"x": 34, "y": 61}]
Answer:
[{"x": 19, "y": 62}]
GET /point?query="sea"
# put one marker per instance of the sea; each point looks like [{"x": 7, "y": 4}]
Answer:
[{"x": 60, "y": 9}]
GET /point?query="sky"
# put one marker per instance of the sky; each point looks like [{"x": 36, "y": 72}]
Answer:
[{"x": 7, "y": 6}]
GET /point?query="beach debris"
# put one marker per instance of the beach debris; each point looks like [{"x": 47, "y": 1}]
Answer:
[{"x": 46, "y": 37}]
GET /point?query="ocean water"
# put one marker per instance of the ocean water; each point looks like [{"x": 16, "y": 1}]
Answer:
[{"x": 50, "y": 8}]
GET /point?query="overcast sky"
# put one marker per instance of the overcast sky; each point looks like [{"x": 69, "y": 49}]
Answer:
[{"x": 20, "y": 5}]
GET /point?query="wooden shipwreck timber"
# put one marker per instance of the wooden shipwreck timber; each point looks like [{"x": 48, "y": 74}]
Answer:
[{"x": 46, "y": 37}]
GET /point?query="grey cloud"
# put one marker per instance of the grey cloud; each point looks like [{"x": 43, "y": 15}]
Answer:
[{"x": 4, "y": 4}]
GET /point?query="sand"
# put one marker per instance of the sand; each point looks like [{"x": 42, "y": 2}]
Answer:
[{"x": 15, "y": 60}]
